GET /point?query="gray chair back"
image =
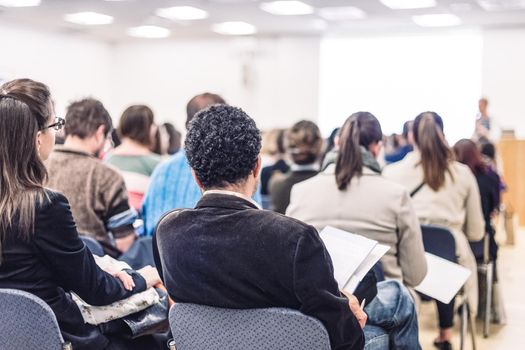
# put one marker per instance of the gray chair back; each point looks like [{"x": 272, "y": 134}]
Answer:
[
  {"x": 199, "y": 327},
  {"x": 27, "y": 322}
]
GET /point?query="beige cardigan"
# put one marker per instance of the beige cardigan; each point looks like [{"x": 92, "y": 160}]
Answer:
[
  {"x": 371, "y": 206},
  {"x": 457, "y": 206}
]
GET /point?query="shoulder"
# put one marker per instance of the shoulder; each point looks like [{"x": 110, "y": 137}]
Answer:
[{"x": 51, "y": 203}]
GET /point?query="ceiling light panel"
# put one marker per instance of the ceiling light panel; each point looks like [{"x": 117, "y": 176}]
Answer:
[
  {"x": 501, "y": 5},
  {"x": 408, "y": 4},
  {"x": 182, "y": 13},
  {"x": 287, "y": 8},
  {"x": 149, "y": 32},
  {"x": 234, "y": 28},
  {"x": 88, "y": 18},
  {"x": 437, "y": 20},
  {"x": 19, "y": 3},
  {"x": 341, "y": 13}
]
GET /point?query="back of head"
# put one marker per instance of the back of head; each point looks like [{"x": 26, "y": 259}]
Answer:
[
  {"x": 436, "y": 156},
  {"x": 84, "y": 117},
  {"x": 468, "y": 153},
  {"x": 304, "y": 142},
  {"x": 489, "y": 150},
  {"x": 136, "y": 123},
  {"x": 360, "y": 129},
  {"x": 25, "y": 110},
  {"x": 175, "y": 138},
  {"x": 222, "y": 145},
  {"x": 200, "y": 102}
]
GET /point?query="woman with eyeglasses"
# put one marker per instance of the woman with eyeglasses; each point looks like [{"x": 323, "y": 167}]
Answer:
[{"x": 40, "y": 250}]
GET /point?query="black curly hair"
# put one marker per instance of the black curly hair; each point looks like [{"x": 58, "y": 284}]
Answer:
[{"x": 222, "y": 145}]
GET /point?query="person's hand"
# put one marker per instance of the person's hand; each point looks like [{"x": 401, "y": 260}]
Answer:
[
  {"x": 124, "y": 243},
  {"x": 151, "y": 275},
  {"x": 126, "y": 280},
  {"x": 356, "y": 309}
]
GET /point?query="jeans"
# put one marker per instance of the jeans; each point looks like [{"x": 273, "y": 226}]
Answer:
[{"x": 394, "y": 312}]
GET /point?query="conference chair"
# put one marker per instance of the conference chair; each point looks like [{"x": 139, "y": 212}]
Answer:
[
  {"x": 486, "y": 269},
  {"x": 27, "y": 322},
  {"x": 440, "y": 242},
  {"x": 94, "y": 247},
  {"x": 199, "y": 327}
]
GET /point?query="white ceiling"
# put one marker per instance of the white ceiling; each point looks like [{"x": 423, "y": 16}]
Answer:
[{"x": 129, "y": 13}]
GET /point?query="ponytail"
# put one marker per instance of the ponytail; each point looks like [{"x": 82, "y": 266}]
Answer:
[
  {"x": 435, "y": 153},
  {"x": 360, "y": 129}
]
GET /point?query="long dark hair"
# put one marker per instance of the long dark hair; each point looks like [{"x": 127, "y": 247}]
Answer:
[
  {"x": 25, "y": 109},
  {"x": 360, "y": 129},
  {"x": 436, "y": 155},
  {"x": 468, "y": 153}
]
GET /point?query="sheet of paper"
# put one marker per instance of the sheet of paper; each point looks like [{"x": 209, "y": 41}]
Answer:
[
  {"x": 444, "y": 279},
  {"x": 347, "y": 250},
  {"x": 367, "y": 264}
]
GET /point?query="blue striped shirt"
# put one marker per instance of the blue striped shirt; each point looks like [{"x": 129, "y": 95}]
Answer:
[{"x": 171, "y": 187}]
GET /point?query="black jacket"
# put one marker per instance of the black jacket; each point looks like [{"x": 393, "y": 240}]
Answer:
[
  {"x": 55, "y": 261},
  {"x": 227, "y": 253}
]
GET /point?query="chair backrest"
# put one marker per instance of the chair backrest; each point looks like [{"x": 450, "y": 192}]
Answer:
[
  {"x": 439, "y": 241},
  {"x": 199, "y": 327},
  {"x": 93, "y": 245},
  {"x": 27, "y": 322}
]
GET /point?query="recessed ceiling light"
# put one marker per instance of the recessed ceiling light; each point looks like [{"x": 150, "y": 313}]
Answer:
[
  {"x": 408, "y": 4},
  {"x": 19, "y": 3},
  {"x": 182, "y": 13},
  {"x": 341, "y": 13},
  {"x": 88, "y": 18},
  {"x": 234, "y": 28},
  {"x": 500, "y": 5},
  {"x": 437, "y": 20},
  {"x": 149, "y": 32},
  {"x": 287, "y": 8}
]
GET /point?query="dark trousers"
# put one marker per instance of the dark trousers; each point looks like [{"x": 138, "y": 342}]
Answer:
[{"x": 445, "y": 314}]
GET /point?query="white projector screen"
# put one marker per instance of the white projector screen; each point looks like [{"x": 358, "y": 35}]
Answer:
[{"x": 397, "y": 77}]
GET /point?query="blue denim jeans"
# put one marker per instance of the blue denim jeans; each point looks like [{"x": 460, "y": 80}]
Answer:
[{"x": 393, "y": 311}]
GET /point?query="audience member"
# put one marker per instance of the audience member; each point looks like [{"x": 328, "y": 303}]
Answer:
[
  {"x": 273, "y": 153},
  {"x": 444, "y": 193},
  {"x": 228, "y": 253},
  {"x": 332, "y": 147},
  {"x": 97, "y": 193},
  {"x": 303, "y": 145},
  {"x": 488, "y": 183},
  {"x": 133, "y": 157},
  {"x": 40, "y": 250},
  {"x": 353, "y": 196},
  {"x": 406, "y": 144},
  {"x": 174, "y": 138},
  {"x": 172, "y": 185}
]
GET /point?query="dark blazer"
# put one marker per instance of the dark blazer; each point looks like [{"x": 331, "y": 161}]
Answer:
[
  {"x": 54, "y": 262},
  {"x": 227, "y": 253},
  {"x": 281, "y": 186}
]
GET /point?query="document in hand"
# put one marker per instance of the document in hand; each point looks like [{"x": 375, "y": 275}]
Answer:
[
  {"x": 444, "y": 279},
  {"x": 352, "y": 256}
]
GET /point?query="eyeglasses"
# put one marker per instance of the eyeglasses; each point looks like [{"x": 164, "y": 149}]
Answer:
[{"x": 60, "y": 122}]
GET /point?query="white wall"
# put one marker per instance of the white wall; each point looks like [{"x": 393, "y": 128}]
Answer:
[
  {"x": 274, "y": 80},
  {"x": 73, "y": 65},
  {"x": 504, "y": 77}
]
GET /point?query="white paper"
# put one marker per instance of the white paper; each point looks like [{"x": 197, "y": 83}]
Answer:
[
  {"x": 367, "y": 264},
  {"x": 348, "y": 252},
  {"x": 444, "y": 279}
]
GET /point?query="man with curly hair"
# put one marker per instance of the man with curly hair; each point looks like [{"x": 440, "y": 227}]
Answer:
[{"x": 227, "y": 252}]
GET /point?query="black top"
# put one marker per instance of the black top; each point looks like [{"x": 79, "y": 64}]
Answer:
[
  {"x": 268, "y": 171},
  {"x": 56, "y": 261},
  {"x": 280, "y": 188},
  {"x": 227, "y": 253},
  {"x": 489, "y": 190}
]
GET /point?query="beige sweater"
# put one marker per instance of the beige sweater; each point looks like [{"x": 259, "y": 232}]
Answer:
[{"x": 371, "y": 206}]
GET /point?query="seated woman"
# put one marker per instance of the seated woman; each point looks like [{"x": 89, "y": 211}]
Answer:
[
  {"x": 304, "y": 144},
  {"x": 40, "y": 250},
  {"x": 444, "y": 193},
  {"x": 134, "y": 157},
  {"x": 488, "y": 183},
  {"x": 353, "y": 196}
]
